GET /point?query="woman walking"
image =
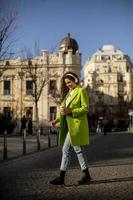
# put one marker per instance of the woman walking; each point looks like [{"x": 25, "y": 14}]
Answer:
[{"x": 74, "y": 130}]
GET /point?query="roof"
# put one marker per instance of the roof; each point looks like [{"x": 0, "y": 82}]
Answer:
[{"x": 68, "y": 43}]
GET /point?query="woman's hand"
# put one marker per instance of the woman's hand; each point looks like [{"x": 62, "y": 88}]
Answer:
[
  {"x": 54, "y": 122},
  {"x": 64, "y": 111}
]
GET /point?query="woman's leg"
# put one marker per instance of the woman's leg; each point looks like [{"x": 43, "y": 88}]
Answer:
[
  {"x": 64, "y": 162},
  {"x": 83, "y": 164},
  {"x": 65, "y": 153},
  {"x": 81, "y": 157}
]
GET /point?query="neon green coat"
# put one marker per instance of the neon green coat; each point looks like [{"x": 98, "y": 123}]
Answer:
[{"x": 76, "y": 122}]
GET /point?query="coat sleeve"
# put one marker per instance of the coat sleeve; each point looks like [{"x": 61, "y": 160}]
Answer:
[
  {"x": 84, "y": 102},
  {"x": 58, "y": 115}
]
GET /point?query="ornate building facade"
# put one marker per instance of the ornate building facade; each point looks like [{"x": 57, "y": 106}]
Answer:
[
  {"x": 108, "y": 76},
  {"x": 25, "y": 83}
]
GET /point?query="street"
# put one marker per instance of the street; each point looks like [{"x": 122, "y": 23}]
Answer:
[{"x": 110, "y": 159}]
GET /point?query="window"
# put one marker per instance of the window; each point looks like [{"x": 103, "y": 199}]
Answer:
[
  {"x": 7, "y": 87},
  {"x": 109, "y": 69},
  {"x": 127, "y": 68},
  {"x": 120, "y": 68},
  {"x": 7, "y": 112},
  {"x": 53, "y": 111},
  {"x": 7, "y": 63},
  {"x": 29, "y": 87},
  {"x": 120, "y": 88},
  {"x": 97, "y": 69},
  {"x": 120, "y": 77},
  {"x": 110, "y": 89},
  {"x": 105, "y": 57},
  {"x": 120, "y": 98},
  {"x": 29, "y": 111},
  {"x": 52, "y": 85},
  {"x": 109, "y": 77}
]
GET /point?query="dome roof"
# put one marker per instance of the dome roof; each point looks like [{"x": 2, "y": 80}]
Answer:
[{"x": 68, "y": 43}]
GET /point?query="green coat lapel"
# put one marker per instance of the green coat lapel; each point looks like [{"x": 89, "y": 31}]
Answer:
[{"x": 73, "y": 96}]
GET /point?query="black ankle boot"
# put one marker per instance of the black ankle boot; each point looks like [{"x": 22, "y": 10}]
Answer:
[
  {"x": 59, "y": 180},
  {"x": 86, "y": 177}
]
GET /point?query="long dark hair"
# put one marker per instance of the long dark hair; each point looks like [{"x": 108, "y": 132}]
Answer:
[{"x": 64, "y": 89}]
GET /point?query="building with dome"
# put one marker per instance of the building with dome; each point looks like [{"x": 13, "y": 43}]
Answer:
[
  {"x": 108, "y": 76},
  {"x": 19, "y": 79}
]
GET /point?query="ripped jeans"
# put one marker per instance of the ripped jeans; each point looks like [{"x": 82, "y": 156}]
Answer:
[{"x": 66, "y": 154}]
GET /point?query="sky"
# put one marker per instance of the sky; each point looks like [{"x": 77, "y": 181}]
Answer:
[{"x": 92, "y": 23}]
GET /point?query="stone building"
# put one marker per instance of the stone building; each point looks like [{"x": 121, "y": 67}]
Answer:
[
  {"x": 17, "y": 78},
  {"x": 108, "y": 76}
]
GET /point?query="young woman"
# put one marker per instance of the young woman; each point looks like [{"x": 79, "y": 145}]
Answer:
[{"x": 74, "y": 130}]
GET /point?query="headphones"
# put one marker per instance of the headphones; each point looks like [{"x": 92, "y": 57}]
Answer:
[{"x": 75, "y": 78}]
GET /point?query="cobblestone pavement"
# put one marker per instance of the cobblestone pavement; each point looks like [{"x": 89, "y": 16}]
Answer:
[{"x": 110, "y": 161}]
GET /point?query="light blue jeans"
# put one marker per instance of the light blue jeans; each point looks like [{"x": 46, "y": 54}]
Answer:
[{"x": 66, "y": 154}]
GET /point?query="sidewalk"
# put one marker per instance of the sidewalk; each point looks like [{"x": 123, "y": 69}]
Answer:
[
  {"x": 15, "y": 144},
  {"x": 27, "y": 177}
]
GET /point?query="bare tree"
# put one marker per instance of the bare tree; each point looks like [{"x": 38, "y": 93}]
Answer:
[
  {"x": 56, "y": 96},
  {"x": 7, "y": 27},
  {"x": 38, "y": 75}
]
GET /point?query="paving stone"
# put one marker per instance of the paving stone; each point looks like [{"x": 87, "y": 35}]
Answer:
[{"x": 27, "y": 177}]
